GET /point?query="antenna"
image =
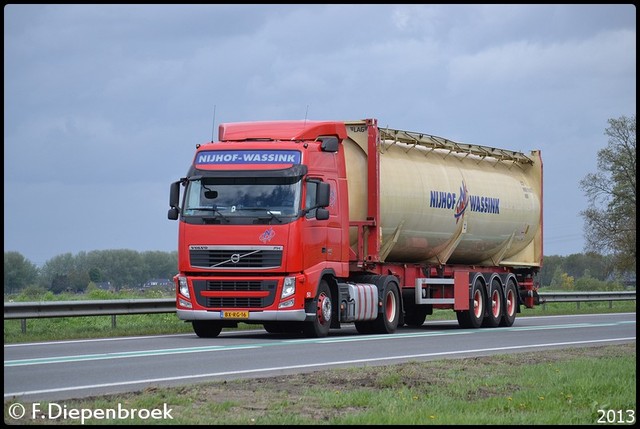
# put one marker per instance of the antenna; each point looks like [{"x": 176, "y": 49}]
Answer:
[
  {"x": 213, "y": 126},
  {"x": 305, "y": 117}
]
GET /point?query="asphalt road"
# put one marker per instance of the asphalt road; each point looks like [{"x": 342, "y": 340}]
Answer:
[{"x": 72, "y": 369}]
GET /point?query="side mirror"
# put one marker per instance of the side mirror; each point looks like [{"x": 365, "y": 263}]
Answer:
[
  {"x": 323, "y": 192},
  {"x": 322, "y": 214},
  {"x": 174, "y": 200},
  {"x": 173, "y": 213},
  {"x": 329, "y": 144}
]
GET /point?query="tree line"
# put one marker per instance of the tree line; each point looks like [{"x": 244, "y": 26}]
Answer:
[
  {"x": 122, "y": 268},
  {"x": 129, "y": 269},
  {"x": 584, "y": 272}
]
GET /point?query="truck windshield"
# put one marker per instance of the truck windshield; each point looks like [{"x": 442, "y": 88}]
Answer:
[{"x": 249, "y": 198}]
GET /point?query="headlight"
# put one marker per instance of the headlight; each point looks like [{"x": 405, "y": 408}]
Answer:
[
  {"x": 184, "y": 287},
  {"x": 289, "y": 287}
]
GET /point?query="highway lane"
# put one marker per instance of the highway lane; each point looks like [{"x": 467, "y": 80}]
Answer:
[{"x": 71, "y": 369}]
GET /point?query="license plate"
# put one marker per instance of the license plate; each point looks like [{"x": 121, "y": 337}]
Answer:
[{"x": 235, "y": 314}]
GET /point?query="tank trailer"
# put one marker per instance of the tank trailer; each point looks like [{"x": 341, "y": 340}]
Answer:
[{"x": 303, "y": 226}]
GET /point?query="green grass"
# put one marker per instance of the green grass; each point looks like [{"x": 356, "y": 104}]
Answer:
[{"x": 570, "y": 386}]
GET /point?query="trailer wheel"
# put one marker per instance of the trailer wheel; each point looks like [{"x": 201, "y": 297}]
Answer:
[
  {"x": 206, "y": 328},
  {"x": 473, "y": 317},
  {"x": 388, "y": 318},
  {"x": 495, "y": 303},
  {"x": 323, "y": 310},
  {"x": 511, "y": 304}
]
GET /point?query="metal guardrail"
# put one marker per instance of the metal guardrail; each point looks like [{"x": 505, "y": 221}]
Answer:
[
  {"x": 31, "y": 310},
  {"x": 42, "y": 309},
  {"x": 586, "y": 296},
  {"x": 111, "y": 307},
  {"x": 114, "y": 307},
  {"x": 579, "y": 297}
]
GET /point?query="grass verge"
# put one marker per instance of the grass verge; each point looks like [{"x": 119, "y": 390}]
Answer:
[{"x": 591, "y": 385}]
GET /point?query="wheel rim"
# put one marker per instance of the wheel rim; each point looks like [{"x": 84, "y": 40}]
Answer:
[
  {"x": 390, "y": 307},
  {"x": 324, "y": 309},
  {"x": 477, "y": 304},
  {"x": 511, "y": 302},
  {"x": 495, "y": 303}
]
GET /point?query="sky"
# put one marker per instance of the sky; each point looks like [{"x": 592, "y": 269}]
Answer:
[{"x": 104, "y": 104}]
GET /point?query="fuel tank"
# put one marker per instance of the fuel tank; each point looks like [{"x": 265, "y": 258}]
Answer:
[{"x": 447, "y": 203}]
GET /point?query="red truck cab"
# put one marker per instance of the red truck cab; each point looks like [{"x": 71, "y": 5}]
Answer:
[{"x": 261, "y": 222}]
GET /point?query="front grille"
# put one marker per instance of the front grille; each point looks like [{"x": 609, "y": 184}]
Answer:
[
  {"x": 230, "y": 257},
  {"x": 234, "y": 285},
  {"x": 234, "y": 303},
  {"x": 241, "y": 286}
]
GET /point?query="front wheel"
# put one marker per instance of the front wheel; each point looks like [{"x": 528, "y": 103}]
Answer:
[
  {"x": 282, "y": 327},
  {"x": 206, "y": 328},
  {"x": 323, "y": 309}
]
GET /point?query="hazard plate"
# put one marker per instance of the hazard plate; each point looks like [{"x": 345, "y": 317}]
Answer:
[{"x": 235, "y": 314}]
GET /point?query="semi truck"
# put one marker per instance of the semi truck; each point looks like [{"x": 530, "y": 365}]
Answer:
[{"x": 305, "y": 226}]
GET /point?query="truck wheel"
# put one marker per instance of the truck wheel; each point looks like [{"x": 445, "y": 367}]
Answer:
[
  {"x": 364, "y": 327},
  {"x": 416, "y": 315},
  {"x": 323, "y": 309},
  {"x": 282, "y": 327},
  {"x": 273, "y": 327},
  {"x": 473, "y": 317},
  {"x": 495, "y": 303},
  {"x": 206, "y": 328},
  {"x": 511, "y": 304},
  {"x": 387, "y": 321}
]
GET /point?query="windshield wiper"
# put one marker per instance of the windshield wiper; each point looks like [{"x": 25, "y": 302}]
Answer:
[
  {"x": 253, "y": 209},
  {"x": 213, "y": 209}
]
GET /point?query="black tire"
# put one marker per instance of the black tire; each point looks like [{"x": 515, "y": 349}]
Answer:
[
  {"x": 323, "y": 309},
  {"x": 388, "y": 318},
  {"x": 282, "y": 327},
  {"x": 273, "y": 327},
  {"x": 207, "y": 328},
  {"x": 364, "y": 327},
  {"x": 495, "y": 304},
  {"x": 510, "y": 304},
  {"x": 473, "y": 317},
  {"x": 416, "y": 315}
]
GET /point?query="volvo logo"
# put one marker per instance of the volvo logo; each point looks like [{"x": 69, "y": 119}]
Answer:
[{"x": 235, "y": 258}]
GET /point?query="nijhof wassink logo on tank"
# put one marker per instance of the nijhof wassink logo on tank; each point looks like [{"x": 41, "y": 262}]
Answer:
[{"x": 475, "y": 203}]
